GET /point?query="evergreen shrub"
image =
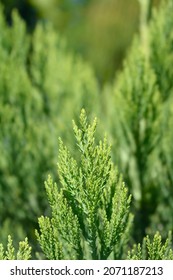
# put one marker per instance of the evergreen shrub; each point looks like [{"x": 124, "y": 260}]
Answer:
[
  {"x": 90, "y": 215},
  {"x": 90, "y": 212},
  {"x": 41, "y": 87},
  {"x": 139, "y": 119},
  {"x": 23, "y": 253}
]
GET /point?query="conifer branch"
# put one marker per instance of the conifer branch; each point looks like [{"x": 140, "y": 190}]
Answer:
[
  {"x": 90, "y": 211},
  {"x": 152, "y": 250},
  {"x": 23, "y": 253}
]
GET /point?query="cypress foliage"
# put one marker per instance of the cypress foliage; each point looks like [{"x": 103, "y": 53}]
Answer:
[
  {"x": 90, "y": 216},
  {"x": 23, "y": 253},
  {"x": 161, "y": 47},
  {"x": 152, "y": 249},
  {"x": 41, "y": 87},
  {"x": 140, "y": 122},
  {"x": 161, "y": 58},
  {"x": 90, "y": 212}
]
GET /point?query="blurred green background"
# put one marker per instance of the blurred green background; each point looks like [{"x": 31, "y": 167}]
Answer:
[{"x": 99, "y": 30}]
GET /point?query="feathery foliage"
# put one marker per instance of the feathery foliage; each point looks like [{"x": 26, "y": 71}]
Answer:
[
  {"x": 23, "y": 253},
  {"x": 90, "y": 211},
  {"x": 89, "y": 202},
  {"x": 152, "y": 249},
  {"x": 139, "y": 118},
  {"x": 42, "y": 86}
]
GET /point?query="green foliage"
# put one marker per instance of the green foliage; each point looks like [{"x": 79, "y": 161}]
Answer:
[
  {"x": 137, "y": 130},
  {"x": 24, "y": 8},
  {"x": 23, "y": 253},
  {"x": 41, "y": 87},
  {"x": 161, "y": 47},
  {"x": 140, "y": 122},
  {"x": 90, "y": 211},
  {"x": 152, "y": 250},
  {"x": 161, "y": 59},
  {"x": 96, "y": 29}
]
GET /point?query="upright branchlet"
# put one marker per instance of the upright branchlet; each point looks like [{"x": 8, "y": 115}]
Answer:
[
  {"x": 23, "y": 253},
  {"x": 152, "y": 249},
  {"x": 90, "y": 212}
]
